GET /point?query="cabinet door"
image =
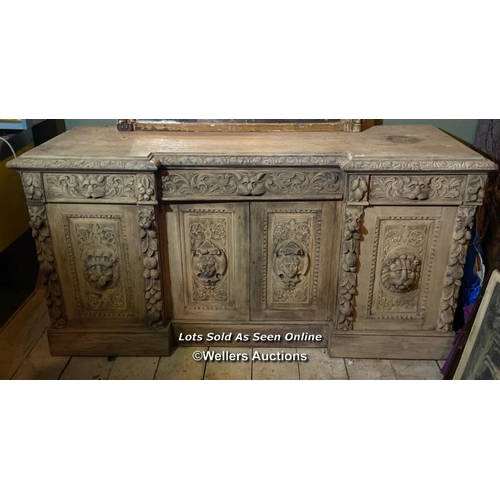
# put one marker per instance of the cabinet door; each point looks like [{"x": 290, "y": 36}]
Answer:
[
  {"x": 292, "y": 256},
  {"x": 208, "y": 254},
  {"x": 98, "y": 255},
  {"x": 402, "y": 263}
]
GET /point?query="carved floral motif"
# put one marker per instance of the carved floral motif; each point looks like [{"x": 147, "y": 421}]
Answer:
[
  {"x": 350, "y": 249},
  {"x": 145, "y": 187},
  {"x": 45, "y": 253},
  {"x": 152, "y": 278},
  {"x": 32, "y": 185},
  {"x": 250, "y": 183},
  {"x": 250, "y": 160},
  {"x": 475, "y": 189},
  {"x": 358, "y": 188},
  {"x": 417, "y": 188},
  {"x": 455, "y": 268},
  {"x": 91, "y": 186}
]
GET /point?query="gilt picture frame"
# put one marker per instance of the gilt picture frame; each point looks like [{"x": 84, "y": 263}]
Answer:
[
  {"x": 480, "y": 359},
  {"x": 244, "y": 125}
]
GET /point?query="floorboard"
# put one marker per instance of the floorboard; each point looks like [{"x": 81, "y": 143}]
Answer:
[
  {"x": 230, "y": 370},
  {"x": 21, "y": 333},
  {"x": 134, "y": 368},
  {"x": 275, "y": 370},
  {"x": 181, "y": 366},
  {"x": 88, "y": 368},
  {"x": 320, "y": 366},
  {"x": 370, "y": 369},
  {"x": 416, "y": 370},
  {"x": 40, "y": 364}
]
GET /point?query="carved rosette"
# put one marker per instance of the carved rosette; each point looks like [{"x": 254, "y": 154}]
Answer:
[
  {"x": 45, "y": 252},
  {"x": 348, "y": 275},
  {"x": 455, "y": 269},
  {"x": 152, "y": 276},
  {"x": 251, "y": 183},
  {"x": 32, "y": 185},
  {"x": 417, "y": 188}
]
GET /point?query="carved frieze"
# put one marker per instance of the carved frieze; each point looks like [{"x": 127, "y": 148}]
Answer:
[
  {"x": 378, "y": 164},
  {"x": 51, "y": 164},
  {"x": 89, "y": 186},
  {"x": 194, "y": 184},
  {"x": 32, "y": 185},
  {"x": 45, "y": 253},
  {"x": 250, "y": 160},
  {"x": 455, "y": 268},
  {"x": 151, "y": 261},
  {"x": 349, "y": 262},
  {"x": 416, "y": 188},
  {"x": 402, "y": 262}
]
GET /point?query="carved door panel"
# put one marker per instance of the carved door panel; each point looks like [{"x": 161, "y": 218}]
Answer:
[
  {"x": 209, "y": 261},
  {"x": 402, "y": 264},
  {"x": 98, "y": 255},
  {"x": 292, "y": 254}
]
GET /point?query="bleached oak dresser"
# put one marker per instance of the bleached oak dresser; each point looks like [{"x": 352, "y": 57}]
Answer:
[{"x": 358, "y": 238}]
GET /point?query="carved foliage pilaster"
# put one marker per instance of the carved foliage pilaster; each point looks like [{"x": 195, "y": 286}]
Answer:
[
  {"x": 152, "y": 276},
  {"x": 32, "y": 185},
  {"x": 45, "y": 252},
  {"x": 146, "y": 187},
  {"x": 454, "y": 270},
  {"x": 348, "y": 275}
]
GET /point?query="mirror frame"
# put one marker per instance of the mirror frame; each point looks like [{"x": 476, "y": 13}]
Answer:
[{"x": 334, "y": 125}]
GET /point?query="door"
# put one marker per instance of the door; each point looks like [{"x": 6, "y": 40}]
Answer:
[
  {"x": 292, "y": 259},
  {"x": 208, "y": 251}
]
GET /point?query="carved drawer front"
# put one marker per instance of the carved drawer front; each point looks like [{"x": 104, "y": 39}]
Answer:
[
  {"x": 209, "y": 261},
  {"x": 402, "y": 263},
  {"x": 306, "y": 183},
  {"x": 291, "y": 260},
  {"x": 421, "y": 189},
  {"x": 98, "y": 254}
]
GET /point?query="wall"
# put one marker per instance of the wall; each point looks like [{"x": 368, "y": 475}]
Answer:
[
  {"x": 13, "y": 212},
  {"x": 461, "y": 129}
]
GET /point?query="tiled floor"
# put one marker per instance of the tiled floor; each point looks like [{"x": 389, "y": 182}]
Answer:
[{"x": 24, "y": 355}]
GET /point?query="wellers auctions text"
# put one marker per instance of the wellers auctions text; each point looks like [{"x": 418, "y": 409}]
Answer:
[{"x": 255, "y": 356}]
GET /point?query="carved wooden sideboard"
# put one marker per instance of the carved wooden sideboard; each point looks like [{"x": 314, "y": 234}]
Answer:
[{"x": 358, "y": 238}]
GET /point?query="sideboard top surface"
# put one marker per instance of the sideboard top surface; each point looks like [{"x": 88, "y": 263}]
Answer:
[{"x": 404, "y": 147}]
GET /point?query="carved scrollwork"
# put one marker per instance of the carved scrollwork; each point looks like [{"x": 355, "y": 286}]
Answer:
[
  {"x": 455, "y": 268},
  {"x": 250, "y": 183},
  {"x": 416, "y": 188},
  {"x": 152, "y": 276},
  {"x": 90, "y": 186},
  {"x": 45, "y": 253},
  {"x": 350, "y": 249},
  {"x": 32, "y": 185},
  {"x": 376, "y": 164}
]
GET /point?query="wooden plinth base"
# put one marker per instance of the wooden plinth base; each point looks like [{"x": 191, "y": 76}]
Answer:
[
  {"x": 119, "y": 343},
  {"x": 371, "y": 346}
]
